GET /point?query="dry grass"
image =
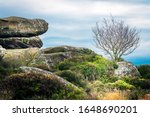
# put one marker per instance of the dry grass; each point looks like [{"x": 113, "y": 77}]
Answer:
[{"x": 116, "y": 95}]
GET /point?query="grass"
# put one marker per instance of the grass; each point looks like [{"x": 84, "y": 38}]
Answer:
[{"x": 116, "y": 95}]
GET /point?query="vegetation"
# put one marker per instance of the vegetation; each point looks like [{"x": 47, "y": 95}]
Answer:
[
  {"x": 37, "y": 86},
  {"x": 90, "y": 76},
  {"x": 144, "y": 71}
]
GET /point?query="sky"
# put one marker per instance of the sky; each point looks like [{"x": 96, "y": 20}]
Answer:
[{"x": 71, "y": 21}]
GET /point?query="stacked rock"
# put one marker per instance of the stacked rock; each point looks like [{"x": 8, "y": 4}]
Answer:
[{"x": 17, "y": 32}]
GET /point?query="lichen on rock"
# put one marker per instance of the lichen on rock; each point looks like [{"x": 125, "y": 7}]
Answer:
[{"x": 126, "y": 69}]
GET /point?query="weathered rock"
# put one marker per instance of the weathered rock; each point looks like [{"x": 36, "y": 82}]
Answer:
[
  {"x": 41, "y": 71},
  {"x": 126, "y": 69},
  {"x": 75, "y": 50},
  {"x": 56, "y": 54},
  {"x": 2, "y": 52},
  {"x": 22, "y": 27},
  {"x": 20, "y": 42}
]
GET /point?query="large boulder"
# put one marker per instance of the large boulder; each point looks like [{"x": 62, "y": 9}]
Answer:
[
  {"x": 20, "y": 42},
  {"x": 126, "y": 69},
  {"x": 22, "y": 27},
  {"x": 41, "y": 71},
  {"x": 52, "y": 56}
]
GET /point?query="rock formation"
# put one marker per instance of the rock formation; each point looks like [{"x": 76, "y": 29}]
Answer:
[
  {"x": 17, "y": 32},
  {"x": 21, "y": 42},
  {"x": 41, "y": 71},
  {"x": 54, "y": 55},
  {"x": 126, "y": 69}
]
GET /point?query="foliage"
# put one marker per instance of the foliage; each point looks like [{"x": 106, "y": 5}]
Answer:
[
  {"x": 90, "y": 71},
  {"x": 92, "y": 67},
  {"x": 108, "y": 79},
  {"x": 70, "y": 93},
  {"x": 144, "y": 71},
  {"x": 6, "y": 71},
  {"x": 122, "y": 85},
  {"x": 96, "y": 89},
  {"x": 65, "y": 65},
  {"x": 141, "y": 83},
  {"x": 36, "y": 86},
  {"x": 72, "y": 77}
]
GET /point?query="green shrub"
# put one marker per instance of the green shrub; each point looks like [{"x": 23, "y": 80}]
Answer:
[
  {"x": 144, "y": 71},
  {"x": 90, "y": 71},
  {"x": 122, "y": 85},
  {"x": 72, "y": 77},
  {"x": 36, "y": 86},
  {"x": 97, "y": 86},
  {"x": 65, "y": 65},
  {"x": 5, "y": 71},
  {"x": 70, "y": 93},
  {"x": 108, "y": 79},
  {"x": 141, "y": 83},
  {"x": 137, "y": 94}
]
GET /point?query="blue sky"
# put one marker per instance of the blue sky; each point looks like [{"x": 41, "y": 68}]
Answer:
[{"x": 71, "y": 21}]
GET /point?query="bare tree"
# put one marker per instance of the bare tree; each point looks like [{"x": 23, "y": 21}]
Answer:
[{"x": 115, "y": 38}]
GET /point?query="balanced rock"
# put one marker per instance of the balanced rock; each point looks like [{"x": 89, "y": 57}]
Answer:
[
  {"x": 22, "y": 27},
  {"x": 126, "y": 69},
  {"x": 20, "y": 42}
]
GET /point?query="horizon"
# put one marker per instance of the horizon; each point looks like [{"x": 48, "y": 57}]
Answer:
[{"x": 71, "y": 21}]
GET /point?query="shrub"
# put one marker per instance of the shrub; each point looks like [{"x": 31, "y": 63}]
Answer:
[
  {"x": 5, "y": 71},
  {"x": 96, "y": 89},
  {"x": 72, "y": 77},
  {"x": 65, "y": 65},
  {"x": 122, "y": 85},
  {"x": 91, "y": 71},
  {"x": 108, "y": 79},
  {"x": 144, "y": 71},
  {"x": 70, "y": 93},
  {"x": 141, "y": 83},
  {"x": 37, "y": 86}
]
